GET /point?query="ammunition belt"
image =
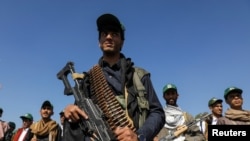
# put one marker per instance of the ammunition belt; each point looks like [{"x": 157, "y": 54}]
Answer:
[{"x": 104, "y": 97}]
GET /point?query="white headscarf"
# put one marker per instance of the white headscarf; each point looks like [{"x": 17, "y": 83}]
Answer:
[{"x": 174, "y": 118}]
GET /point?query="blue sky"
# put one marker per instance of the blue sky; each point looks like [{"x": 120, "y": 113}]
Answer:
[{"x": 201, "y": 46}]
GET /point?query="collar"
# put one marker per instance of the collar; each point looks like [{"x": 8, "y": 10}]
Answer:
[{"x": 116, "y": 66}]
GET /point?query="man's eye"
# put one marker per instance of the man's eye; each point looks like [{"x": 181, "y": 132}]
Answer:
[
  {"x": 103, "y": 34},
  {"x": 114, "y": 34}
]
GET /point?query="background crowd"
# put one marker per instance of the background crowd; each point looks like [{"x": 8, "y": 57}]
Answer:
[
  {"x": 235, "y": 115},
  {"x": 44, "y": 129}
]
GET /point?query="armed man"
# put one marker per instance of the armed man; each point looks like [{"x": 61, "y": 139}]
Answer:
[
  {"x": 131, "y": 115},
  {"x": 179, "y": 125}
]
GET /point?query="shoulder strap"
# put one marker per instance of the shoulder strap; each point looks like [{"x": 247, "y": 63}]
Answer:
[{"x": 142, "y": 101}]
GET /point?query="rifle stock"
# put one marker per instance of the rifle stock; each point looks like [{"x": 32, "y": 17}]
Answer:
[{"x": 95, "y": 126}]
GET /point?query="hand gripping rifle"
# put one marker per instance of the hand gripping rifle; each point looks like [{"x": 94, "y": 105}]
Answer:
[
  {"x": 95, "y": 126},
  {"x": 181, "y": 129}
]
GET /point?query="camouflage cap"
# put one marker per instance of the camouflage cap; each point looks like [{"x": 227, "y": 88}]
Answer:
[
  {"x": 47, "y": 104},
  {"x": 213, "y": 100},
  {"x": 169, "y": 86},
  {"x": 12, "y": 124},
  {"x": 61, "y": 113},
  {"x": 110, "y": 22},
  {"x": 231, "y": 89},
  {"x": 27, "y": 116}
]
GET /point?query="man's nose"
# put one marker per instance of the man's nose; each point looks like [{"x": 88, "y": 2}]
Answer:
[{"x": 109, "y": 36}]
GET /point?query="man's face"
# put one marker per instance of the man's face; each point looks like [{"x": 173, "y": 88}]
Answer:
[
  {"x": 235, "y": 100},
  {"x": 110, "y": 42},
  {"x": 216, "y": 108},
  {"x": 11, "y": 129},
  {"x": 26, "y": 122},
  {"x": 46, "y": 112},
  {"x": 171, "y": 96},
  {"x": 62, "y": 118}
]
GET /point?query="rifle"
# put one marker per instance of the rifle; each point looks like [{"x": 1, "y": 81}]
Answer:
[
  {"x": 181, "y": 129},
  {"x": 95, "y": 126}
]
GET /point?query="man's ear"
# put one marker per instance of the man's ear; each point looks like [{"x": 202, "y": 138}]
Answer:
[
  {"x": 226, "y": 100},
  {"x": 99, "y": 44},
  {"x": 121, "y": 45}
]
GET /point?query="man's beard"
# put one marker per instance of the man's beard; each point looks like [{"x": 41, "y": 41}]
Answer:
[{"x": 172, "y": 102}]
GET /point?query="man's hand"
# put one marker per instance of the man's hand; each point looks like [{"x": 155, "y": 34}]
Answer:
[
  {"x": 73, "y": 113},
  {"x": 125, "y": 134}
]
